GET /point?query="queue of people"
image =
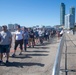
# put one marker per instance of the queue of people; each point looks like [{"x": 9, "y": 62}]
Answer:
[{"x": 24, "y": 37}]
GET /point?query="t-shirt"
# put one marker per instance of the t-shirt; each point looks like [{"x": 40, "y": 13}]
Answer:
[
  {"x": 5, "y": 37},
  {"x": 36, "y": 33},
  {"x": 19, "y": 35},
  {"x": 41, "y": 33},
  {"x": 61, "y": 32},
  {"x": 31, "y": 34},
  {"x": 26, "y": 35},
  {"x": 46, "y": 33}
]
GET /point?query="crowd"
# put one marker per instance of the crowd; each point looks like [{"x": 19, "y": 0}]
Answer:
[{"x": 24, "y": 36}]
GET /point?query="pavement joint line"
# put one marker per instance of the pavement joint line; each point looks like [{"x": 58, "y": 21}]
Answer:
[{"x": 68, "y": 70}]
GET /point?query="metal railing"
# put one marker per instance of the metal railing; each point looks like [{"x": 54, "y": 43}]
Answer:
[{"x": 56, "y": 67}]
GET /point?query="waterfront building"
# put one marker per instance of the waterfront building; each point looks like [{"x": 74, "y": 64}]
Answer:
[{"x": 69, "y": 21}]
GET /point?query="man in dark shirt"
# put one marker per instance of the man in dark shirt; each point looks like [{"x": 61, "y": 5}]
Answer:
[{"x": 31, "y": 38}]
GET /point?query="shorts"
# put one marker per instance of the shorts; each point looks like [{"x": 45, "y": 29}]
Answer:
[
  {"x": 4, "y": 48},
  {"x": 36, "y": 37},
  {"x": 31, "y": 39},
  {"x": 19, "y": 41}
]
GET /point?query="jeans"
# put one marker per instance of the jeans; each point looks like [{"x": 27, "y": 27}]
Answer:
[{"x": 25, "y": 43}]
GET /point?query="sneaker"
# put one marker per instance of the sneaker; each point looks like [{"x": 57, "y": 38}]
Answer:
[
  {"x": 1, "y": 61},
  {"x": 33, "y": 46},
  {"x": 29, "y": 47},
  {"x": 25, "y": 48},
  {"x": 20, "y": 53},
  {"x": 13, "y": 55},
  {"x": 7, "y": 61}
]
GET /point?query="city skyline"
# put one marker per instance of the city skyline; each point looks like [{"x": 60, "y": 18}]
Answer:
[{"x": 32, "y": 12}]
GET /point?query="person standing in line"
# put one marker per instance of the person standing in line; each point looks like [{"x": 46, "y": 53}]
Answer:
[
  {"x": 31, "y": 38},
  {"x": 61, "y": 33},
  {"x": 26, "y": 37},
  {"x": 36, "y": 37},
  {"x": 73, "y": 31},
  {"x": 58, "y": 34},
  {"x": 18, "y": 40},
  {"x": 5, "y": 43},
  {"x": 41, "y": 36}
]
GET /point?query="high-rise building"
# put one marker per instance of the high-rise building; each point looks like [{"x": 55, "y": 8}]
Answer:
[
  {"x": 69, "y": 21},
  {"x": 62, "y": 14},
  {"x": 72, "y": 11}
]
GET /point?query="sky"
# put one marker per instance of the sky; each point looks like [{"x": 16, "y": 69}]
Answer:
[{"x": 32, "y": 12}]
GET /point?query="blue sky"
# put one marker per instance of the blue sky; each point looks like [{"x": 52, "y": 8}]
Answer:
[{"x": 32, "y": 12}]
